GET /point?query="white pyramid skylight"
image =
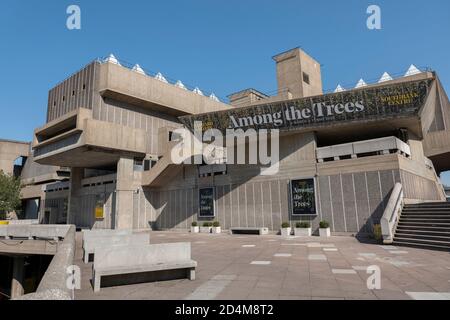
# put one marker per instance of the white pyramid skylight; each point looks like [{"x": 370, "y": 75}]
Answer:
[
  {"x": 412, "y": 71},
  {"x": 112, "y": 59},
  {"x": 339, "y": 89},
  {"x": 137, "y": 68},
  {"x": 385, "y": 77},
  {"x": 198, "y": 91},
  {"x": 213, "y": 97},
  {"x": 180, "y": 84},
  {"x": 160, "y": 77},
  {"x": 361, "y": 83}
]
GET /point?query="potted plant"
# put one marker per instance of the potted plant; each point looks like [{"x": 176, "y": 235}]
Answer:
[
  {"x": 206, "y": 227},
  {"x": 216, "y": 227},
  {"x": 302, "y": 229},
  {"x": 324, "y": 229},
  {"x": 194, "y": 227},
  {"x": 285, "y": 229}
]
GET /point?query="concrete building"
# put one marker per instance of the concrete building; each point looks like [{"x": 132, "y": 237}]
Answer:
[
  {"x": 16, "y": 158},
  {"x": 341, "y": 152}
]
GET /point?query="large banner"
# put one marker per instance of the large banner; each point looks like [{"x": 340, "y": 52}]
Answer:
[{"x": 395, "y": 100}]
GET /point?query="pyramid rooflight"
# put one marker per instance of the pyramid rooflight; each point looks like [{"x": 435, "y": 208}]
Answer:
[
  {"x": 412, "y": 71},
  {"x": 112, "y": 59},
  {"x": 339, "y": 89},
  {"x": 137, "y": 68},
  {"x": 198, "y": 91},
  {"x": 180, "y": 85},
  {"x": 385, "y": 77},
  {"x": 160, "y": 77},
  {"x": 361, "y": 83},
  {"x": 212, "y": 96}
]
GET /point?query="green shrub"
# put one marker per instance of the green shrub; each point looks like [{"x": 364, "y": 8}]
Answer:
[
  {"x": 216, "y": 224},
  {"x": 194, "y": 223},
  {"x": 324, "y": 224},
  {"x": 377, "y": 232},
  {"x": 207, "y": 224},
  {"x": 285, "y": 225},
  {"x": 303, "y": 224}
]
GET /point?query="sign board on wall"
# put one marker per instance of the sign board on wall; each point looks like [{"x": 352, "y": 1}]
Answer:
[
  {"x": 303, "y": 197},
  {"x": 206, "y": 202},
  {"x": 394, "y": 100},
  {"x": 99, "y": 206}
]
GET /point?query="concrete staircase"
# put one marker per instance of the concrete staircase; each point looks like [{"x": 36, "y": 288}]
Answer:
[{"x": 425, "y": 225}]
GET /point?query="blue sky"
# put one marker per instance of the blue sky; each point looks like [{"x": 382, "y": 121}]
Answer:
[{"x": 220, "y": 46}]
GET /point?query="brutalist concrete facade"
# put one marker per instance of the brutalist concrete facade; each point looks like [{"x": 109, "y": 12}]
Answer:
[{"x": 113, "y": 127}]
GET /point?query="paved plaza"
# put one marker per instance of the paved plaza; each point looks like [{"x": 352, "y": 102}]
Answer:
[{"x": 273, "y": 267}]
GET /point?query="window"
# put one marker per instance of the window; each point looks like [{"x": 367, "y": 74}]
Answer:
[
  {"x": 73, "y": 92},
  {"x": 84, "y": 86},
  {"x": 305, "y": 78},
  {"x": 174, "y": 136},
  {"x": 64, "y": 98}
]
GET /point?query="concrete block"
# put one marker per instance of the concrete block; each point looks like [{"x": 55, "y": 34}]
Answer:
[
  {"x": 142, "y": 258},
  {"x": 115, "y": 240}
]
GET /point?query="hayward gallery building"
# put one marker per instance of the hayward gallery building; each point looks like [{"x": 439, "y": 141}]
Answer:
[{"x": 340, "y": 153}]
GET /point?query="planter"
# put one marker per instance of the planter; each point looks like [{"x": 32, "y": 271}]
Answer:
[
  {"x": 285, "y": 232},
  {"x": 324, "y": 232},
  {"x": 4, "y": 222},
  {"x": 302, "y": 232},
  {"x": 195, "y": 229},
  {"x": 205, "y": 229},
  {"x": 216, "y": 229}
]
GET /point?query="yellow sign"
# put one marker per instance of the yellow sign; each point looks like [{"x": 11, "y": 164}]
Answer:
[{"x": 99, "y": 214}]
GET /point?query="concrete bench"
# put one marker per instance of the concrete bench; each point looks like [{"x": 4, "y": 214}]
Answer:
[
  {"x": 249, "y": 230},
  {"x": 95, "y": 233},
  {"x": 109, "y": 241},
  {"x": 142, "y": 259}
]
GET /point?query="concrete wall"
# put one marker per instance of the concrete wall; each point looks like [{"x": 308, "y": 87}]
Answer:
[
  {"x": 9, "y": 152},
  {"x": 128, "y": 115},
  {"x": 77, "y": 91}
]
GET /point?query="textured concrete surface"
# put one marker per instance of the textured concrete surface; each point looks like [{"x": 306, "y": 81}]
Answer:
[{"x": 226, "y": 270}]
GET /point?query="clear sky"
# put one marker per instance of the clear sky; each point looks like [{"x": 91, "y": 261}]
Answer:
[{"x": 219, "y": 46}]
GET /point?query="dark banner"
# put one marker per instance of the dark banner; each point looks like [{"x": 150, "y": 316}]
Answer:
[
  {"x": 395, "y": 100},
  {"x": 303, "y": 197},
  {"x": 206, "y": 202}
]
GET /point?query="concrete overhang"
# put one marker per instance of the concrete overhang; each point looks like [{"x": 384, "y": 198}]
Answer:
[
  {"x": 92, "y": 143},
  {"x": 120, "y": 83}
]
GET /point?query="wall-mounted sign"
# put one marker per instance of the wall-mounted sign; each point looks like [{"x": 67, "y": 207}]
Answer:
[
  {"x": 303, "y": 197},
  {"x": 99, "y": 206},
  {"x": 394, "y": 100},
  {"x": 206, "y": 202}
]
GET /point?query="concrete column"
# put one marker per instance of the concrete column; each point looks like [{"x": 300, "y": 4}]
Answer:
[
  {"x": 124, "y": 193},
  {"x": 73, "y": 207},
  {"x": 17, "y": 289}
]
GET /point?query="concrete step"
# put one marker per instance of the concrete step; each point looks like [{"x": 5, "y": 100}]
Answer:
[
  {"x": 426, "y": 216},
  {"x": 445, "y": 234},
  {"x": 423, "y": 228},
  {"x": 428, "y": 210},
  {"x": 442, "y": 204},
  {"x": 423, "y": 241},
  {"x": 424, "y": 224},
  {"x": 421, "y": 246},
  {"x": 430, "y": 220},
  {"x": 418, "y": 236}
]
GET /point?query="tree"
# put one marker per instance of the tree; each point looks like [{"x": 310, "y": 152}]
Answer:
[{"x": 9, "y": 194}]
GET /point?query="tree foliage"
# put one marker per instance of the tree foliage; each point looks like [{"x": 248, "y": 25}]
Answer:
[{"x": 9, "y": 193}]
